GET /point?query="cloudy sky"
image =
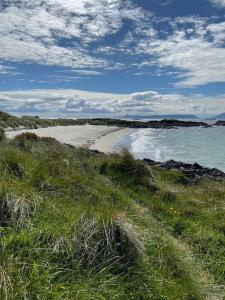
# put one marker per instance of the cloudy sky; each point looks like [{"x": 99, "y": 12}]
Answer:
[{"x": 112, "y": 57}]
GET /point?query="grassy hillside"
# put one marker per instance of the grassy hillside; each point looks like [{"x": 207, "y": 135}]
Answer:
[
  {"x": 7, "y": 120},
  {"x": 81, "y": 225}
]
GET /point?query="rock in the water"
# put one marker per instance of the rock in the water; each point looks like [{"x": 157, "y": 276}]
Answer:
[{"x": 190, "y": 170}]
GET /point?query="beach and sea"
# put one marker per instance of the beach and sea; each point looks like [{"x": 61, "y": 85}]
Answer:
[{"x": 193, "y": 144}]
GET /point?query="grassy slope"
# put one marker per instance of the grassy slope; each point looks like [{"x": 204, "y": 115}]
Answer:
[{"x": 80, "y": 225}]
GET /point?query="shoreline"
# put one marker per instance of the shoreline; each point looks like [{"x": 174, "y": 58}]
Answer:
[
  {"x": 104, "y": 138},
  {"x": 192, "y": 170},
  {"x": 107, "y": 142},
  {"x": 94, "y": 137}
]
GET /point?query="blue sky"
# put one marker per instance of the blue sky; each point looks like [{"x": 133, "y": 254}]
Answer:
[{"x": 112, "y": 57}]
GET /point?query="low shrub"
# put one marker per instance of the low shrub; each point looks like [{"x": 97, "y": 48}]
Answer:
[
  {"x": 134, "y": 167},
  {"x": 50, "y": 141},
  {"x": 136, "y": 172},
  {"x": 27, "y": 136},
  {"x": 168, "y": 197},
  {"x": 2, "y": 134},
  {"x": 15, "y": 168},
  {"x": 15, "y": 210},
  {"x": 25, "y": 140},
  {"x": 12, "y": 163},
  {"x": 178, "y": 228},
  {"x": 4, "y": 116},
  {"x": 116, "y": 242},
  {"x": 57, "y": 167}
]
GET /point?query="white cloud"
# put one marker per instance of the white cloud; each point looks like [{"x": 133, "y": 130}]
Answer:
[
  {"x": 72, "y": 103},
  {"x": 195, "y": 47},
  {"x": 83, "y": 72},
  {"x": 32, "y": 30},
  {"x": 61, "y": 33},
  {"x": 4, "y": 70},
  {"x": 7, "y": 70},
  {"x": 220, "y": 3}
]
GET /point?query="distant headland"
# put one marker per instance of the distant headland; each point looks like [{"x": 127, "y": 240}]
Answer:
[{"x": 9, "y": 121}]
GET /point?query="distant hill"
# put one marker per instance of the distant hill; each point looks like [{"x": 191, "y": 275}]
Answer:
[
  {"x": 220, "y": 117},
  {"x": 155, "y": 117}
]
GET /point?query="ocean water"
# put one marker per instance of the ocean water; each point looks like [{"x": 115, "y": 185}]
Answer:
[{"x": 205, "y": 146}]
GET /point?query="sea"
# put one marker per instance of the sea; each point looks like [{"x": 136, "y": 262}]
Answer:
[{"x": 205, "y": 146}]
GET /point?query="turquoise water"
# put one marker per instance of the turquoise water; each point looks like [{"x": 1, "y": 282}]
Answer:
[{"x": 203, "y": 145}]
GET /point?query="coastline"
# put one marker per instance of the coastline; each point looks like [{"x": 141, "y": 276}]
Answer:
[
  {"x": 107, "y": 142},
  {"x": 101, "y": 138}
]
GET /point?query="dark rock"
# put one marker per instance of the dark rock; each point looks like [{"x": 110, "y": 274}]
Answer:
[
  {"x": 96, "y": 152},
  {"x": 166, "y": 123},
  {"x": 189, "y": 173},
  {"x": 151, "y": 162},
  {"x": 69, "y": 146},
  {"x": 196, "y": 166},
  {"x": 192, "y": 171},
  {"x": 220, "y": 123}
]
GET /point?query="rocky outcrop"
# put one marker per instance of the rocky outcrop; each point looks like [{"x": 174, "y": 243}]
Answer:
[
  {"x": 164, "y": 124},
  {"x": 220, "y": 123},
  {"x": 176, "y": 123},
  {"x": 190, "y": 170}
]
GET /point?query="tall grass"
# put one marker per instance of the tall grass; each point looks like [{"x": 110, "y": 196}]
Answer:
[
  {"x": 2, "y": 134},
  {"x": 80, "y": 225}
]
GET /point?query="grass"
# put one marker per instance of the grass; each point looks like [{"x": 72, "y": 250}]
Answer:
[
  {"x": 80, "y": 225},
  {"x": 33, "y": 122}
]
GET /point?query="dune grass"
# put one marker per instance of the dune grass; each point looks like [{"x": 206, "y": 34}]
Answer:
[{"x": 81, "y": 225}]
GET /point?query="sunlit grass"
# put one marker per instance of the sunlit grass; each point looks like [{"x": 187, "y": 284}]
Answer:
[{"x": 80, "y": 225}]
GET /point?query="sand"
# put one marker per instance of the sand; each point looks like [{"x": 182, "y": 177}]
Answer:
[
  {"x": 107, "y": 142},
  {"x": 101, "y": 138}
]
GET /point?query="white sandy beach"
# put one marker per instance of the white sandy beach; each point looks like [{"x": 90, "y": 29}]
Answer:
[
  {"x": 101, "y": 138},
  {"x": 106, "y": 142}
]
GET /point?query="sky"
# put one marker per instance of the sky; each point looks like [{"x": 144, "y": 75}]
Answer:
[{"x": 112, "y": 57}]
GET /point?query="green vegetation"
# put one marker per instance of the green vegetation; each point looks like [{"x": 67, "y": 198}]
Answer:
[
  {"x": 2, "y": 134},
  {"x": 75, "y": 224},
  {"x": 30, "y": 122}
]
